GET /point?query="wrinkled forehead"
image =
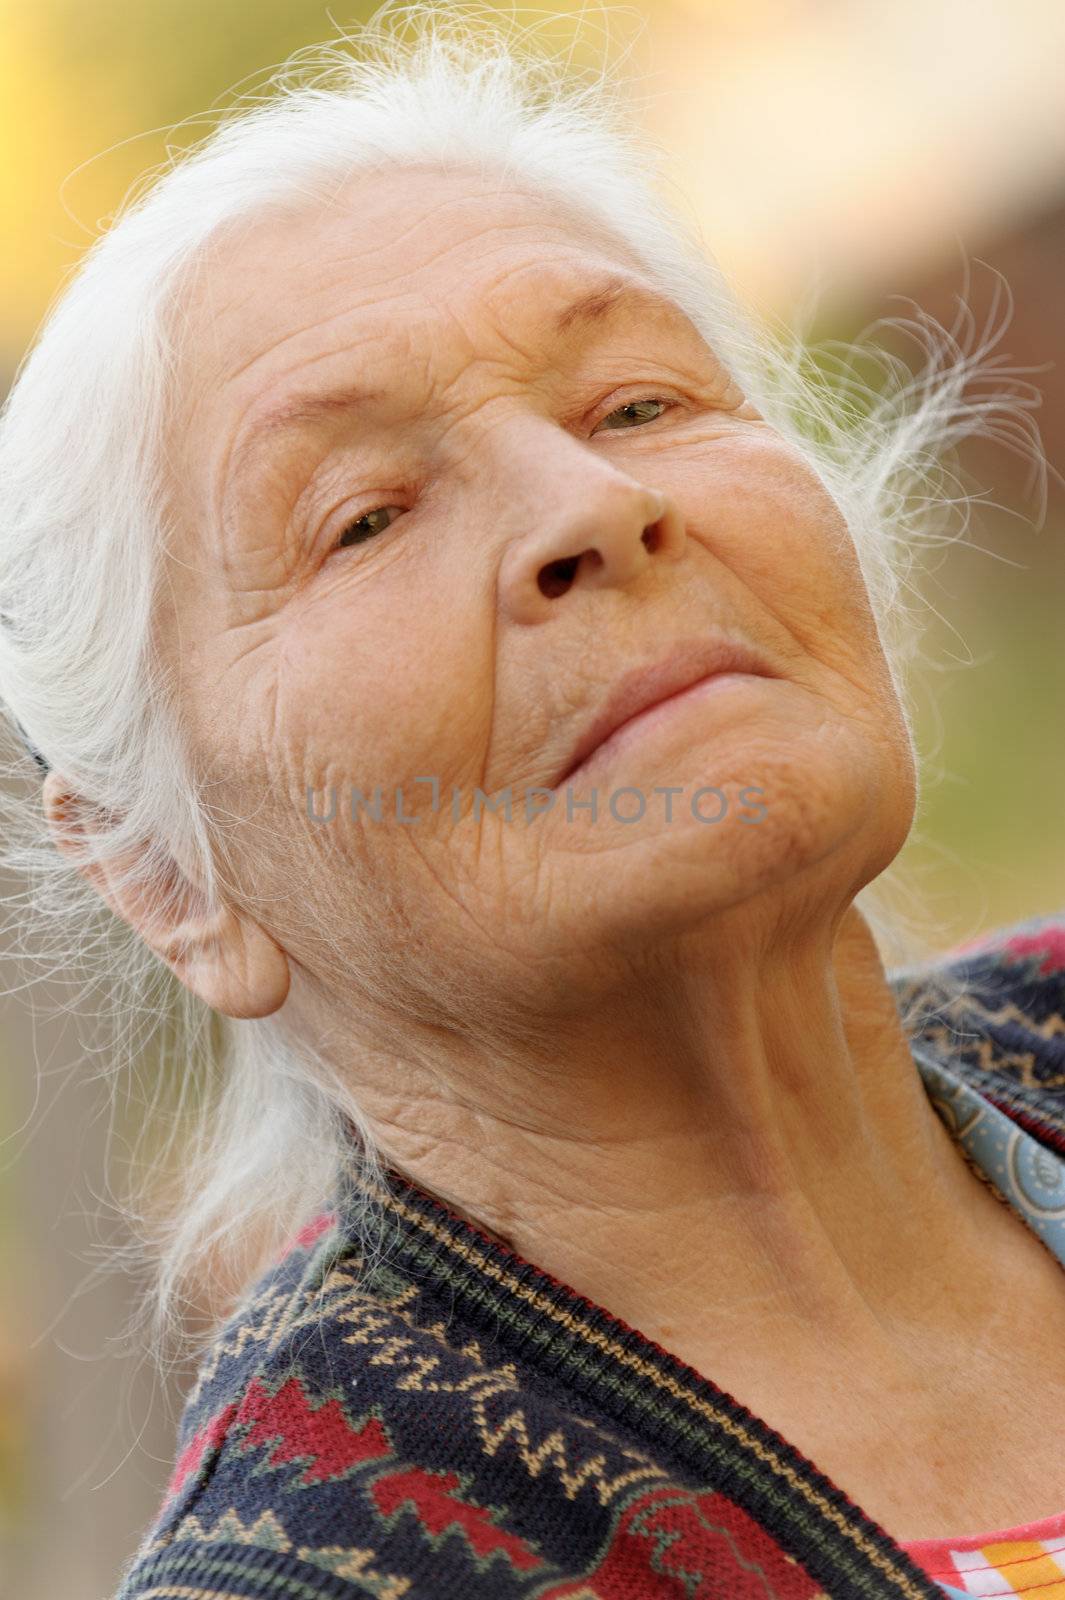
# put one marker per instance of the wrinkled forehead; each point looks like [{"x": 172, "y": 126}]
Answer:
[{"x": 284, "y": 292}]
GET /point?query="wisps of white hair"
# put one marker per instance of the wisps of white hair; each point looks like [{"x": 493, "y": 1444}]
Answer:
[{"x": 246, "y": 1127}]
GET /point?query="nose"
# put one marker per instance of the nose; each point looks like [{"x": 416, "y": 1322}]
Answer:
[{"x": 600, "y": 530}]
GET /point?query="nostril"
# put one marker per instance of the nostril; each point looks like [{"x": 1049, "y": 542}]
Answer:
[{"x": 556, "y": 577}]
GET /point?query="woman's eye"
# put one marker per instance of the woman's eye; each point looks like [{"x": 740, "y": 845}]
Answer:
[
  {"x": 631, "y": 406},
  {"x": 364, "y": 527},
  {"x": 369, "y": 524}
]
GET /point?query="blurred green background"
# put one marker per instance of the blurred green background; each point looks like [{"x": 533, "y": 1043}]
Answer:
[{"x": 912, "y": 150}]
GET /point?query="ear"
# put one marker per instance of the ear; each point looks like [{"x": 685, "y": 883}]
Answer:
[{"x": 221, "y": 955}]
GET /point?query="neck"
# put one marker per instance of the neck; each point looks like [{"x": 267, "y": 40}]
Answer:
[{"x": 707, "y": 1147}]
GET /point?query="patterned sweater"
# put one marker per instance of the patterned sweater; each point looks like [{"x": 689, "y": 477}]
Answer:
[{"x": 460, "y": 1425}]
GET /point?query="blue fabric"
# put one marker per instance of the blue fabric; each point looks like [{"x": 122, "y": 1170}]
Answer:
[{"x": 1028, "y": 1175}]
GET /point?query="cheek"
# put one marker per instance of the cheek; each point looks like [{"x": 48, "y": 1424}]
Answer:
[
  {"x": 384, "y": 683},
  {"x": 781, "y": 532}
]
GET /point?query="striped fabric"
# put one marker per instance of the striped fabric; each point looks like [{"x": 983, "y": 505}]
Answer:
[
  {"x": 1028, "y": 1560},
  {"x": 456, "y": 1424}
]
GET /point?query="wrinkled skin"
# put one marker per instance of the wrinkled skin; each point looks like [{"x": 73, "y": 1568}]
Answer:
[{"x": 661, "y": 1059}]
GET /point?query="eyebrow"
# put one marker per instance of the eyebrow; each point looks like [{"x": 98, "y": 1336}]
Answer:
[{"x": 606, "y": 299}]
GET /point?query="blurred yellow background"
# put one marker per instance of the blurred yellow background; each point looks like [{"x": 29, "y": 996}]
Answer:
[{"x": 873, "y": 150}]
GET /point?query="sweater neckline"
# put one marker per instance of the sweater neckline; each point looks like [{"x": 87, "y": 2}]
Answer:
[{"x": 636, "y": 1383}]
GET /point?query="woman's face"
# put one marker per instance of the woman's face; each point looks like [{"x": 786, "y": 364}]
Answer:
[{"x": 432, "y": 588}]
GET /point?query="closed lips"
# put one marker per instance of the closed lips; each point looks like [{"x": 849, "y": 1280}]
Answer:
[{"x": 638, "y": 690}]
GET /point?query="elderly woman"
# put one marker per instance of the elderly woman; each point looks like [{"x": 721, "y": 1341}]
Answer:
[{"x": 465, "y": 654}]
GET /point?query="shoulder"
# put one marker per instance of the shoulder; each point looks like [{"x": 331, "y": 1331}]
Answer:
[
  {"x": 210, "y": 1505},
  {"x": 347, "y": 1436},
  {"x": 294, "y": 1442},
  {"x": 995, "y": 1007}
]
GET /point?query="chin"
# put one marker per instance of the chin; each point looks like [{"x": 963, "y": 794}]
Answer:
[{"x": 787, "y": 834}]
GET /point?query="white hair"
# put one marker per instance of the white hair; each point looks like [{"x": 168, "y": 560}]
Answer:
[{"x": 251, "y": 1125}]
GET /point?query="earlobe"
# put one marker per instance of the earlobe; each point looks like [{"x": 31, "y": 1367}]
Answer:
[
  {"x": 222, "y": 956},
  {"x": 230, "y": 962}
]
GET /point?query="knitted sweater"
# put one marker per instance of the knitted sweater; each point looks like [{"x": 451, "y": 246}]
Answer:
[{"x": 460, "y": 1425}]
